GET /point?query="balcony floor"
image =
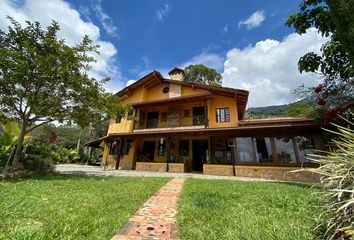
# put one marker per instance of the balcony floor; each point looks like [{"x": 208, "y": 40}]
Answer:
[{"x": 168, "y": 128}]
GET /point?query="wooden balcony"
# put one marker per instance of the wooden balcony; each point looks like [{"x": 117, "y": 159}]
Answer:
[{"x": 154, "y": 124}]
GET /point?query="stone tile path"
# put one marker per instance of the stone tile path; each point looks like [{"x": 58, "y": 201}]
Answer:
[{"x": 156, "y": 219}]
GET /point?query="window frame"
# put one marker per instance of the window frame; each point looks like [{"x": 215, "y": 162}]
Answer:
[
  {"x": 112, "y": 150},
  {"x": 159, "y": 145},
  {"x": 222, "y": 114},
  {"x": 185, "y": 153}
]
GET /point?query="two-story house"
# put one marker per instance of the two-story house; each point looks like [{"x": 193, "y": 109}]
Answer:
[{"x": 178, "y": 126}]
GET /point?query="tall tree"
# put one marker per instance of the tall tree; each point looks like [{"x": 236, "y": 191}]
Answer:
[
  {"x": 202, "y": 74},
  {"x": 42, "y": 79},
  {"x": 334, "y": 19}
]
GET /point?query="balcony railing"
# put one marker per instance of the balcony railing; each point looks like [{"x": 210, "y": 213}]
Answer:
[{"x": 199, "y": 120}]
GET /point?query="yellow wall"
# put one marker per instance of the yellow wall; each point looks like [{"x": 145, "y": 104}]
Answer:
[
  {"x": 142, "y": 94},
  {"x": 222, "y": 102},
  {"x": 125, "y": 162}
]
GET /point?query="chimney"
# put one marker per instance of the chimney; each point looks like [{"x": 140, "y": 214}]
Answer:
[{"x": 177, "y": 74}]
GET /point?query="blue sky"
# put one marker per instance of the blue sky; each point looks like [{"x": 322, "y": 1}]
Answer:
[
  {"x": 247, "y": 41},
  {"x": 162, "y": 34}
]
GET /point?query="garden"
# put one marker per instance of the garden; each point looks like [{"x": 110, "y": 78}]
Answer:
[{"x": 79, "y": 207}]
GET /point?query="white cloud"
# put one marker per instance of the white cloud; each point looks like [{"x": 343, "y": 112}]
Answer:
[
  {"x": 143, "y": 67},
  {"x": 255, "y": 20},
  {"x": 162, "y": 13},
  {"x": 106, "y": 20},
  {"x": 130, "y": 82},
  {"x": 73, "y": 28},
  {"x": 212, "y": 60},
  {"x": 269, "y": 69},
  {"x": 226, "y": 28}
]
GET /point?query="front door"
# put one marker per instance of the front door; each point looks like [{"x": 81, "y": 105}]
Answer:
[
  {"x": 148, "y": 151},
  {"x": 200, "y": 149}
]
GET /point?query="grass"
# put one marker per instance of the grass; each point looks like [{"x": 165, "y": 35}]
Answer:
[
  {"x": 71, "y": 207},
  {"x": 221, "y": 209}
]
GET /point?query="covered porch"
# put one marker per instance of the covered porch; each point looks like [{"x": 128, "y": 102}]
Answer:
[{"x": 249, "y": 150}]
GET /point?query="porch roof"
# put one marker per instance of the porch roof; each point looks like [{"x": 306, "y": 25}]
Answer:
[
  {"x": 241, "y": 131},
  {"x": 182, "y": 99}
]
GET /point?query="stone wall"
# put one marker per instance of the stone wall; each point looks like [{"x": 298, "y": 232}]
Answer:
[
  {"x": 176, "y": 167},
  {"x": 273, "y": 173},
  {"x": 151, "y": 166},
  {"x": 175, "y": 90}
]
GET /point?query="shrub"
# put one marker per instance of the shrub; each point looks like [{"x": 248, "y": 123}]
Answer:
[
  {"x": 37, "y": 157},
  {"x": 337, "y": 171}
]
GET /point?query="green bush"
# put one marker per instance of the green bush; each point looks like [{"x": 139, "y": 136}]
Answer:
[
  {"x": 337, "y": 171},
  {"x": 4, "y": 156},
  {"x": 37, "y": 157},
  {"x": 90, "y": 158}
]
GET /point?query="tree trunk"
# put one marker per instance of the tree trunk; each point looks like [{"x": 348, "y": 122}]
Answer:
[{"x": 19, "y": 146}]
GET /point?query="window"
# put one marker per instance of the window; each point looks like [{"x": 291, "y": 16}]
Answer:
[
  {"x": 126, "y": 147},
  {"x": 228, "y": 152},
  {"x": 264, "y": 150},
  {"x": 184, "y": 147},
  {"x": 219, "y": 154},
  {"x": 245, "y": 149},
  {"x": 165, "y": 90},
  {"x": 130, "y": 113},
  {"x": 285, "y": 150},
  {"x": 114, "y": 148},
  {"x": 223, "y": 115},
  {"x": 305, "y": 145},
  {"x": 118, "y": 118},
  {"x": 161, "y": 149},
  {"x": 142, "y": 118}
]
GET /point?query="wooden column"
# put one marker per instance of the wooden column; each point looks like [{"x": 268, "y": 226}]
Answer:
[
  {"x": 296, "y": 150},
  {"x": 106, "y": 160},
  {"x": 233, "y": 154},
  {"x": 274, "y": 149},
  {"x": 254, "y": 149}
]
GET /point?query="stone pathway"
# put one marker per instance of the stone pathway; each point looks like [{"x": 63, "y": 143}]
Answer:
[
  {"x": 77, "y": 169},
  {"x": 156, "y": 219}
]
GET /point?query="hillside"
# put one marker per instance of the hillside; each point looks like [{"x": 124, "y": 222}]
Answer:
[{"x": 302, "y": 108}]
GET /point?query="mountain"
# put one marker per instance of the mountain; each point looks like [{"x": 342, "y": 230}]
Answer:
[{"x": 301, "y": 108}]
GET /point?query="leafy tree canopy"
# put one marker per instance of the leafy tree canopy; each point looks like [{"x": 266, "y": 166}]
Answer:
[
  {"x": 42, "y": 79},
  {"x": 202, "y": 74},
  {"x": 334, "y": 19}
]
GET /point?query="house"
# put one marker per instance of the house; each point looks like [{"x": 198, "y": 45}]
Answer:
[{"x": 178, "y": 126}]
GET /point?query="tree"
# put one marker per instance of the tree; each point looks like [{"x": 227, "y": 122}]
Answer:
[
  {"x": 300, "y": 109},
  {"x": 42, "y": 79},
  {"x": 334, "y": 19},
  {"x": 202, "y": 74}
]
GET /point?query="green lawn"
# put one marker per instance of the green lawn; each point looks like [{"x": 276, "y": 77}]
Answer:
[
  {"x": 221, "y": 209},
  {"x": 71, "y": 207}
]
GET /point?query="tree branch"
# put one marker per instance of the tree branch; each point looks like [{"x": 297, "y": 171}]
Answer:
[{"x": 38, "y": 125}]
